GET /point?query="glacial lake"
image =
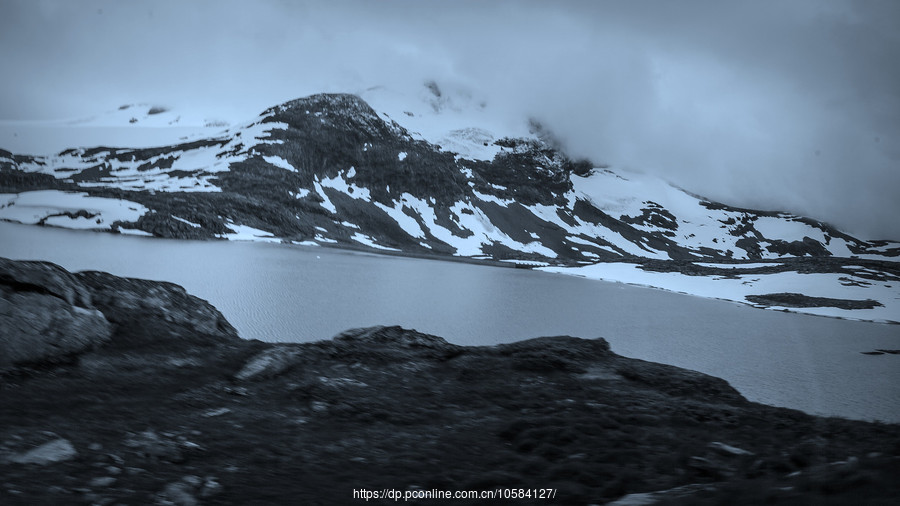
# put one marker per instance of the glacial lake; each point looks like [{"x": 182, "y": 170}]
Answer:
[{"x": 276, "y": 292}]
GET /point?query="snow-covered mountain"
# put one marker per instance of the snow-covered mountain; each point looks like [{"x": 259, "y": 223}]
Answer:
[
  {"x": 132, "y": 126},
  {"x": 430, "y": 177}
]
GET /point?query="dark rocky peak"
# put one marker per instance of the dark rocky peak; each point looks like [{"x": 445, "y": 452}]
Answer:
[
  {"x": 341, "y": 136},
  {"x": 328, "y": 134},
  {"x": 545, "y": 152},
  {"x": 330, "y": 102},
  {"x": 342, "y": 111}
]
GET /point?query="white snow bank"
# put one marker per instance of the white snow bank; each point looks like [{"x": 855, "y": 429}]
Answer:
[
  {"x": 195, "y": 225},
  {"x": 279, "y": 162},
  {"x": 406, "y": 222},
  {"x": 368, "y": 241},
  {"x": 134, "y": 231},
  {"x": 245, "y": 233},
  {"x": 52, "y": 207},
  {"x": 737, "y": 288}
]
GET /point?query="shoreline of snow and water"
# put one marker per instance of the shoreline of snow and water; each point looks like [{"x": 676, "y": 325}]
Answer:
[
  {"x": 733, "y": 281},
  {"x": 737, "y": 288}
]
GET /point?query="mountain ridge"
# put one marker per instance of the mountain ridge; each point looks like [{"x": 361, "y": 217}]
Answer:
[
  {"x": 329, "y": 169},
  {"x": 323, "y": 137}
]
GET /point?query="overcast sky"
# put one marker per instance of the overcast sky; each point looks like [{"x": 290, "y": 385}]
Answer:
[{"x": 787, "y": 104}]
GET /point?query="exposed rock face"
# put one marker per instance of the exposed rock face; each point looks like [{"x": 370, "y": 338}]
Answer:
[
  {"x": 45, "y": 314},
  {"x": 174, "y": 408},
  {"x": 45, "y": 278},
  {"x": 126, "y": 300},
  {"x": 395, "y": 341},
  {"x": 800, "y": 300},
  {"x": 48, "y": 314}
]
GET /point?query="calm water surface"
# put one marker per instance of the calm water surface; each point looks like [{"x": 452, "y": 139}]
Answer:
[{"x": 275, "y": 292}]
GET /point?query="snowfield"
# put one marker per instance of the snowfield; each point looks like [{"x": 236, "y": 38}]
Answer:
[
  {"x": 736, "y": 288},
  {"x": 68, "y": 210},
  {"x": 245, "y": 233}
]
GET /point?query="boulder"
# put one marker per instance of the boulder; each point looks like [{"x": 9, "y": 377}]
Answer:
[
  {"x": 129, "y": 301},
  {"x": 269, "y": 363},
  {"x": 392, "y": 335},
  {"x": 45, "y": 315},
  {"x": 58, "y": 450},
  {"x": 149, "y": 444},
  {"x": 48, "y": 315},
  {"x": 45, "y": 278},
  {"x": 728, "y": 450},
  {"x": 394, "y": 342}
]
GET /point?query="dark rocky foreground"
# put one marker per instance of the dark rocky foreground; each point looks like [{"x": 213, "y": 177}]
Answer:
[{"x": 123, "y": 391}]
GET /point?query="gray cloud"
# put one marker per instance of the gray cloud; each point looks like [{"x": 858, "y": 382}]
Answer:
[{"x": 786, "y": 105}]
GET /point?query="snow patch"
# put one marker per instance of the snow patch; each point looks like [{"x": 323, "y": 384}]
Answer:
[
  {"x": 280, "y": 162},
  {"x": 326, "y": 202},
  {"x": 785, "y": 228},
  {"x": 245, "y": 233},
  {"x": 490, "y": 198},
  {"x": 736, "y": 288},
  {"x": 340, "y": 184},
  {"x": 322, "y": 238},
  {"x": 526, "y": 262},
  {"x": 406, "y": 222},
  {"x": 53, "y": 207},
  {"x": 368, "y": 241},
  {"x": 134, "y": 231},
  {"x": 195, "y": 225}
]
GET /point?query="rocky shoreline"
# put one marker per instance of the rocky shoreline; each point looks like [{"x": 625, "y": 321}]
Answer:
[{"x": 125, "y": 391}]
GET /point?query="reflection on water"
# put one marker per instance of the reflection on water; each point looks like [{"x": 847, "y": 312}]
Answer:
[{"x": 275, "y": 292}]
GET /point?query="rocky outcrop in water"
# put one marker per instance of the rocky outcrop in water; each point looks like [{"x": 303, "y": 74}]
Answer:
[{"x": 171, "y": 407}]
